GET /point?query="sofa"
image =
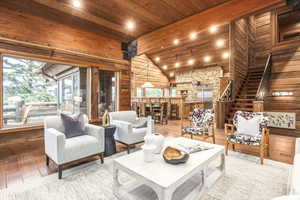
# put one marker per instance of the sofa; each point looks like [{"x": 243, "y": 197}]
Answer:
[
  {"x": 125, "y": 133},
  {"x": 62, "y": 150}
]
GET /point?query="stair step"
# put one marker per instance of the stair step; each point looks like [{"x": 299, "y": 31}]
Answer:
[
  {"x": 243, "y": 104},
  {"x": 243, "y": 100},
  {"x": 242, "y": 109}
]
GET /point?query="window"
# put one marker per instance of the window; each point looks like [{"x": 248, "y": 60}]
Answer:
[
  {"x": 108, "y": 91},
  {"x": 289, "y": 25},
  {"x": 166, "y": 92},
  {"x": 139, "y": 92},
  {"x": 173, "y": 93},
  {"x": 33, "y": 90},
  {"x": 154, "y": 92}
]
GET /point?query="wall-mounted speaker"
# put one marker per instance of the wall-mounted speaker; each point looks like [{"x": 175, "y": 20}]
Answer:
[{"x": 129, "y": 49}]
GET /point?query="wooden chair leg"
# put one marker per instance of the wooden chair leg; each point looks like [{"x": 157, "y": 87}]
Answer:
[
  {"x": 101, "y": 158},
  {"x": 262, "y": 152},
  {"x": 233, "y": 147},
  {"x": 47, "y": 160},
  {"x": 128, "y": 149},
  {"x": 60, "y": 168},
  {"x": 226, "y": 148},
  {"x": 214, "y": 139}
]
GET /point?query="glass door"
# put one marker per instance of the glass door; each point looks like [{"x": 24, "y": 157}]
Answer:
[{"x": 108, "y": 92}]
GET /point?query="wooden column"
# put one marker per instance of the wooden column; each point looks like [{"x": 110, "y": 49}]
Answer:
[
  {"x": 258, "y": 106},
  {"x": 220, "y": 110},
  {"x": 94, "y": 93}
]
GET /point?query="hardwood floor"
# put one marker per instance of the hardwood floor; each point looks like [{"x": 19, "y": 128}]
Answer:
[{"x": 24, "y": 162}]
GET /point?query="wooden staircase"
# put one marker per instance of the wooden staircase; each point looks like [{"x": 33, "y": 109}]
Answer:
[{"x": 247, "y": 93}]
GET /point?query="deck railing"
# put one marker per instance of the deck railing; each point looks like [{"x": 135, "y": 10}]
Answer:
[
  {"x": 263, "y": 87},
  {"x": 228, "y": 92}
]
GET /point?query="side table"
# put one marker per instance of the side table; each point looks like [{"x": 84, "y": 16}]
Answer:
[{"x": 110, "y": 144}]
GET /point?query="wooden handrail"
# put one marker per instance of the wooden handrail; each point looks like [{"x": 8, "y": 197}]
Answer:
[
  {"x": 227, "y": 94},
  {"x": 264, "y": 82}
]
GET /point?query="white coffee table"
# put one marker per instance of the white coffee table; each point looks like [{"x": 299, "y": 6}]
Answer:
[{"x": 185, "y": 181}]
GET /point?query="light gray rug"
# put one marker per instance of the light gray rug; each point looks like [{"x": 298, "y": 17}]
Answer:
[{"x": 245, "y": 179}]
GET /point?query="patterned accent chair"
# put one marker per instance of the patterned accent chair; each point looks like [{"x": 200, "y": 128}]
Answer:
[
  {"x": 235, "y": 135},
  {"x": 201, "y": 124}
]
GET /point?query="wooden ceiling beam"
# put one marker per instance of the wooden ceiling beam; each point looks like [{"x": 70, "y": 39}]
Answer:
[
  {"x": 219, "y": 15},
  {"x": 68, "y": 9}
]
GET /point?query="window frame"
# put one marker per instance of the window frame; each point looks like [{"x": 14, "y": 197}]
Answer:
[{"x": 275, "y": 27}]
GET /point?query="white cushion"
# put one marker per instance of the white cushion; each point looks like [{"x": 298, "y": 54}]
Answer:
[
  {"x": 248, "y": 127},
  {"x": 292, "y": 197},
  {"x": 80, "y": 147},
  {"x": 127, "y": 116},
  {"x": 295, "y": 187}
]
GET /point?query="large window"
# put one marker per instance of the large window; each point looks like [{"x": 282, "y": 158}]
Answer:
[
  {"x": 108, "y": 91},
  {"x": 33, "y": 90},
  {"x": 139, "y": 92},
  {"x": 154, "y": 92}
]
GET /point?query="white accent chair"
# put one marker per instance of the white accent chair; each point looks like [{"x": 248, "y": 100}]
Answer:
[
  {"x": 295, "y": 176},
  {"x": 125, "y": 133},
  {"x": 62, "y": 150}
]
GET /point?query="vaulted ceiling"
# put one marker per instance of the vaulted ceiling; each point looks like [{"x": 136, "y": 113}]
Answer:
[{"x": 110, "y": 16}]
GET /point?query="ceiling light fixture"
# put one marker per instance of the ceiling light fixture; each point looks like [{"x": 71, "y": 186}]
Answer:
[
  {"x": 193, "y": 35},
  {"x": 176, "y": 42},
  {"x": 165, "y": 67},
  {"x": 157, "y": 59},
  {"x": 220, "y": 43},
  {"x": 76, "y": 3},
  {"x": 213, "y": 29},
  {"x": 130, "y": 25},
  {"x": 207, "y": 58},
  {"x": 172, "y": 74},
  {"x": 191, "y": 62},
  {"x": 147, "y": 84},
  {"x": 225, "y": 55},
  {"x": 177, "y": 64}
]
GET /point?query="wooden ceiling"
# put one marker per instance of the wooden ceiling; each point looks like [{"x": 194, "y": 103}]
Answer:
[{"x": 110, "y": 16}]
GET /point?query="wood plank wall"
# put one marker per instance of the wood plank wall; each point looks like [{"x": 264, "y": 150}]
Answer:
[
  {"x": 241, "y": 43},
  {"x": 285, "y": 70},
  {"x": 139, "y": 73},
  {"x": 197, "y": 49},
  {"x": 38, "y": 38}
]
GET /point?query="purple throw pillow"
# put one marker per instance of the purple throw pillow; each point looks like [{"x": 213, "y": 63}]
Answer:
[{"x": 73, "y": 125}]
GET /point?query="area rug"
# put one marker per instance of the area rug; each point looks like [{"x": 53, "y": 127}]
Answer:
[{"x": 245, "y": 179}]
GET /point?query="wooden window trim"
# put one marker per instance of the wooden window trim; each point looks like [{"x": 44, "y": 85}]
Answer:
[{"x": 274, "y": 27}]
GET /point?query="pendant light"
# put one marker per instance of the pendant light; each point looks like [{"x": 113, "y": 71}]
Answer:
[{"x": 147, "y": 84}]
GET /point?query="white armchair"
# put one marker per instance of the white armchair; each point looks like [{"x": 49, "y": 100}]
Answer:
[
  {"x": 125, "y": 133},
  {"x": 62, "y": 150}
]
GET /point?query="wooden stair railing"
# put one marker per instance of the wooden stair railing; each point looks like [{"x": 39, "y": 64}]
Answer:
[
  {"x": 264, "y": 82},
  {"x": 227, "y": 95},
  {"x": 222, "y": 104}
]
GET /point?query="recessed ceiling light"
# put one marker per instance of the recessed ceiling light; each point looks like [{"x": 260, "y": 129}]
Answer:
[
  {"x": 225, "y": 55},
  {"x": 172, "y": 74},
  {"x": 177, "y": 64},
  {"x": 165, "y": 67},
  {"x": 213, "y": 29},
  {"x": 193, "y": 35},
  {"x": 157, "y": 59},
  {"x": 76, "y": 3},
  {"x": 191, "y": 61},
  {"x": 130, "y": 25},
  {"x": 207, "y": 58},
  {"x": 176, "y": 42},
  {"x": 220, "y": 43}
]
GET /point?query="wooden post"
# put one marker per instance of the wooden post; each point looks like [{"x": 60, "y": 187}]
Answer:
[
  {"x": 258, "y": 106},
  {"x": 220, "y": 113}
]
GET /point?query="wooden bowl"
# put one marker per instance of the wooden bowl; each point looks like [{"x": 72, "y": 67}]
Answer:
[{"x": 174, "y": 156}]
